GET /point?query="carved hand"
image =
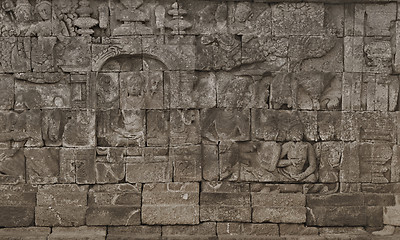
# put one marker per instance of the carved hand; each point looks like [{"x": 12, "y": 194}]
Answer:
[{"x": 298, "y": 177}]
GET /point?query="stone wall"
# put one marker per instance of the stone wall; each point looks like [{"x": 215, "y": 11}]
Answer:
[{"x": 264, "y": 119}]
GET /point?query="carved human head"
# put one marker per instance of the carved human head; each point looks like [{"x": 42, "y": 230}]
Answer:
[
  {"x": 23, "y": 11},
  {"x": 43, "y": 7},
  {"x": 7, "y": 5}
]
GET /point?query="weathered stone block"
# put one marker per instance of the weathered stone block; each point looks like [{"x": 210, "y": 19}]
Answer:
[
  {"x": 375, "y": 23},
  {"x": 187, "y": 163},
  {"x": 374, "y": 199},
  {"x": 341, "y": 199},
  {"x": 337, "y": 216},
  {"x": 206, "y": 230},
  {"x": 184, "y": 127},
  {"x": 227, "y": 187},
  {"x": 341, "y": 231},
  {"x": 275, "y": 188},
  {"x": 170, "y": 215},
  {"x": 243, "y": 230},
  {"x": 117, "y": 128},
  {"x": 42, "y": 165},
  {"x": 219, "y": 124},
  {"x": 88, "y": 233},
  {"x": 281, "y": 200},
  {"x": 380, "y": 188},
  {"x": 158, "y": 208},
  {"x": 60, "y": 215},
  {"x": 296, "y": 229},
  {"x": 62, "y": 195},
  {"x": 6, "y": 91},
  {"x": 17, "y": 205},
  {"x": 29, "y": 233},
  {"x": 225, "y": 213},
  {"x": 279, "y": 214},
  {"x": 149, "y": 165},
  {"x": 224, "y": 201},
  {"x": 113, "y": 215},
  {"x": 115, "y": 194},
  {"x": 16, "y": 216},
  {"x": 18, "y": 195},
  {"x": 132, "y": 232},
  {"x": 297, "y": 19},
  {"x": 283, "y": 207}
]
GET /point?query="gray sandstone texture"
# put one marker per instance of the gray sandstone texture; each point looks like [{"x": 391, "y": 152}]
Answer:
[{"x": 199, "y": 119}]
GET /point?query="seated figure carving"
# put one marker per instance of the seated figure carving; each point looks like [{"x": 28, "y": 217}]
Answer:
[{"x": 297, "y": 162}]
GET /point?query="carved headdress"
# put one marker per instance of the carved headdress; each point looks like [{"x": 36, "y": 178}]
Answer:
[
  {"x": 41, "y": 2},
  {"x": 23, "y": 10},
  {"x": 22, "y": 3}
]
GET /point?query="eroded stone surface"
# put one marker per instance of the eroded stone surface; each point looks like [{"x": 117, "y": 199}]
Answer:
[
  {"x": 170, "y": 203},
  {"x": 199, "y": 119}
]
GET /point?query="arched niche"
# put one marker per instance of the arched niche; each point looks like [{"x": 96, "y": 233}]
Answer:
[
  {"x": 132, "y": 62},
  {"x": 125, "y": 85}
]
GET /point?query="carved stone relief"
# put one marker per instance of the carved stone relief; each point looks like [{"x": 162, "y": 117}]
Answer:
[
  {"x": 229, "y": 116},
  {"x": 268, "y": 162}
]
